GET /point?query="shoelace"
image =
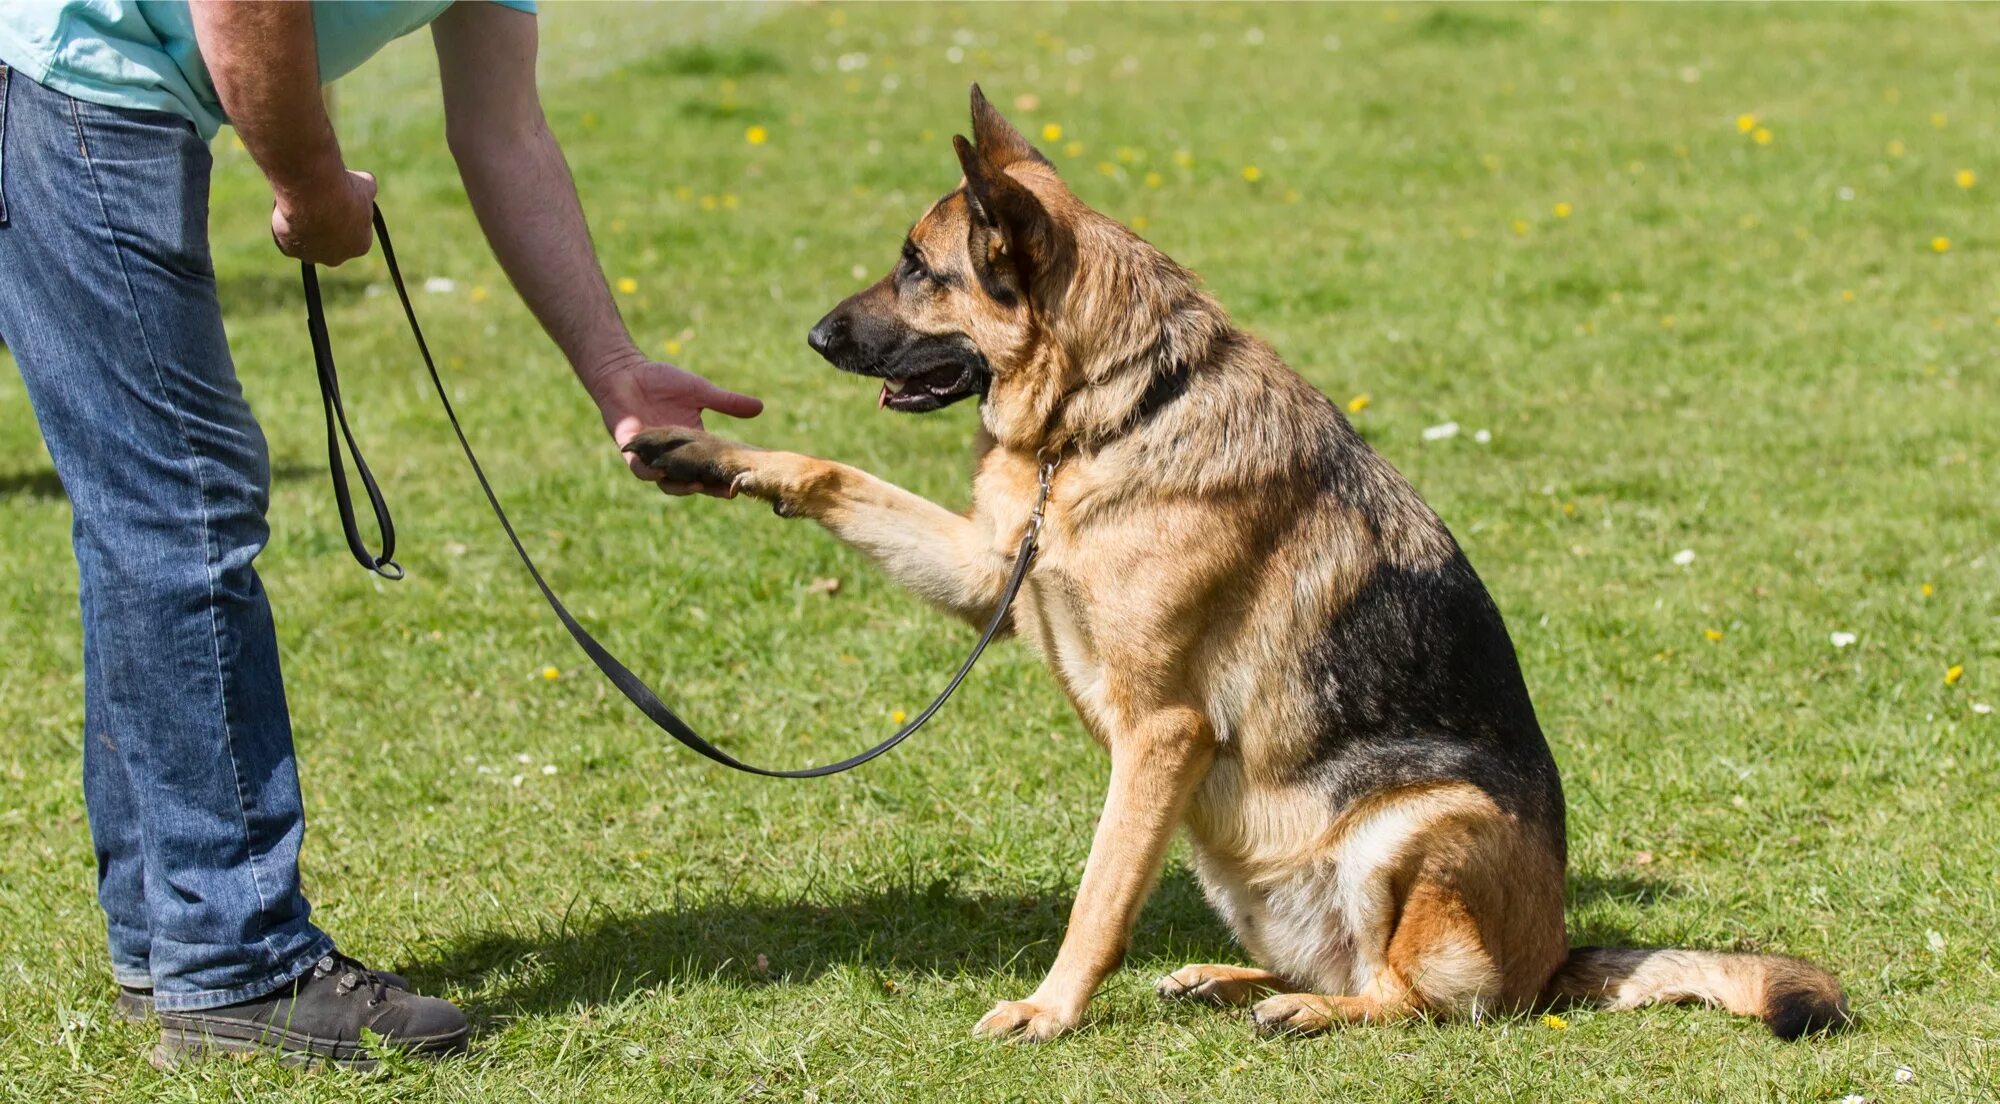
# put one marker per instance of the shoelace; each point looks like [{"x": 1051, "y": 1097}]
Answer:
[{"x": 355, "y": 976}]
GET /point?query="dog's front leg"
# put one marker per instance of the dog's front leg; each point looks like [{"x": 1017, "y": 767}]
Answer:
[
  {"x": 1155, "y": 768},
  {"x": 941, "y": 556}
]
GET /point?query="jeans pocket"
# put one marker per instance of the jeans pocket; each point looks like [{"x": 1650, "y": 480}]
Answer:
[{"x": 3, "y": 145}]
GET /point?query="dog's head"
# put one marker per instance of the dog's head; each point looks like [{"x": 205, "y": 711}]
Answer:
[
  {"x": 1009, "y": 284},
  {"x": 953, "y": 313}
]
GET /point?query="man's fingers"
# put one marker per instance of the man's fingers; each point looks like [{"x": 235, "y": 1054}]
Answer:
[{"x": 731, "y": 403}]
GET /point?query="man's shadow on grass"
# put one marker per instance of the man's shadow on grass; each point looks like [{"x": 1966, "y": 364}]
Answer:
[{"x": 588, "y": 958}]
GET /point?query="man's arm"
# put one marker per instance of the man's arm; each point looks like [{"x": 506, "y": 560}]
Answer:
[
  {"x": 521, "y": 190},
  {"x": 262, "y": 58}
]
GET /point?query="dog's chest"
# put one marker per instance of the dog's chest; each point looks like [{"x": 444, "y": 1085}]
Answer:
[{"x": 1058, "y": 621}]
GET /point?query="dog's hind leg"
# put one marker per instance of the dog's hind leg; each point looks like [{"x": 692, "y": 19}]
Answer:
[{"x": 1223, "y": 986}]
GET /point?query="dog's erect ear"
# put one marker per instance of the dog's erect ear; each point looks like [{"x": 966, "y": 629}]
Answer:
[
  {"x": 1010, "y": 228},
  {"x": 1000, "y": 145}
]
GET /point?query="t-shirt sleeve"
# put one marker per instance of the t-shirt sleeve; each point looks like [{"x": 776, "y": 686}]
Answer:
[{"x": 518, "y": 5}]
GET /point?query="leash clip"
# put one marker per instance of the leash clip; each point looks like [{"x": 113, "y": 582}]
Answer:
[{"x": 1047, "y": 477}]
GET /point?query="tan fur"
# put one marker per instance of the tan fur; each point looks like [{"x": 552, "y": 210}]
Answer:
[{"x": 1184, "y": 565}]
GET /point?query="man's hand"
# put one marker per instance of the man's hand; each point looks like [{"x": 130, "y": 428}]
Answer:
[
  {"x": 639, "y": 394},
  {"x": 326, "y": 224}
]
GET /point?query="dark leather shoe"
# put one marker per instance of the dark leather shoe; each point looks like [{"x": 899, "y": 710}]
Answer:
[
  {"x": 318, "y": 1018},
  {"x": 135, "y": 1003}
]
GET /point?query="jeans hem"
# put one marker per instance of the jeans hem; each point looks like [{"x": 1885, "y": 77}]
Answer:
[
  {"x": 127, "y": 980},
  {"x": 195, "y": 1002}
]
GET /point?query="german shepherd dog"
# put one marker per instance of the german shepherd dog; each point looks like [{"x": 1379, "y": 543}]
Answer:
[{"x": 1277, "y": 641}]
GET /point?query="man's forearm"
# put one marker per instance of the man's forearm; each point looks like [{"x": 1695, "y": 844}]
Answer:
[
  {"x": 262, "y": 57},
  {"x": 520, "y": 188}
]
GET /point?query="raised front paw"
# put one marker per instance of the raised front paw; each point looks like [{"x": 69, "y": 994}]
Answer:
[
  {"x": 1025, "y": 1021},
  {"x": 683, "y": 455}
]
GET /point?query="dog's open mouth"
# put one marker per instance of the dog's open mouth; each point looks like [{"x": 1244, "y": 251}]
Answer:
[{"x": 930, "y": 390}]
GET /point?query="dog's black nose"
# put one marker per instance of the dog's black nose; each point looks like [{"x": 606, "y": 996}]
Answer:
[{"x": 829, "y": 334}]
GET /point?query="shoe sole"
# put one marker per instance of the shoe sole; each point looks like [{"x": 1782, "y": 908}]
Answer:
[
  {"x": 181, "y": 1044},
  {"x": 132, "y": 1010}
]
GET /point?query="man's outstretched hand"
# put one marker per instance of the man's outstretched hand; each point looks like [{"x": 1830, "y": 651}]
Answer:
[{"x": 642, "y": 394}]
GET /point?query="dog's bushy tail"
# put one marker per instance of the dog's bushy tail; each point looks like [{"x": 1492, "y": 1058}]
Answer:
[{"x": 1793, "y": 997}]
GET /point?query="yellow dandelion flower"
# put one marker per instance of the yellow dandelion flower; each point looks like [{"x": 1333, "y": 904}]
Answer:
[
  {"x": 757, "y": 135},
  {"x": 1746, "y": 123},
  {"x": 1668, "y": 321},
  {"x": 1713, "y": 635},
  {"x": 1107, "y": 168},
  {"x": 1965, "y": 178},
  {"x": 479, "y": 293},
  {"x": 1939, "y": 119},
  {"x": 1073, "y": 149},
  {"x": 730, "y": 201},
  {"x": 627, "y": 285},
  {"x": 898, "y": 717},
  {"x": 673, "y": 347},
  {"x": 1555, "y": 1023},
  {"x": 1847, "y": 295},
  {"x": 1140, "y": 222},
  {"x": 590, "y": 120},
  {"x": 683, "y": 193},
  {"x": 1929, "y": 590},
  {"x": 836, "y": 18},
  {"x": 1953, "y": 673},
  {"x": 1564, "y": 210},
  {"x": 1359, "y": 403},
  {"x": 1569, "y": 509},
  {"x": 1491, "y": 161},
  {"x": 1183, "y": 159},
  {"x": 1761, "y": 136},
  {"x": 1052, "y": 132},
  {"x": 1252, "y": 173},
  {"x": 236, "y": 144},
  {"x": 1897, "y": 148},
  {"x": 1293, "y": 195},
  {"x": 1520, "y": 227},
  {"x": 551, "y": 673},
  {"x": 1940, "y": 244},
  {"x": 1154, "y": 180},
  {"x": 709, "y": 203},
  {"x": 1127, "y": 155}
]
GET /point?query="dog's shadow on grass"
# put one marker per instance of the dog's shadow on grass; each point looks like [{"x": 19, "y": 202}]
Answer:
[{"x": 590, "y": 958}]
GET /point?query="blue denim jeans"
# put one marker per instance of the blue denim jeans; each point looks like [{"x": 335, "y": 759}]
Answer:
[{"x": 107, "y": 300}]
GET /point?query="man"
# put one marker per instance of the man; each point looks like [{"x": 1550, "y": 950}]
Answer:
[{"x": 108, "y": 302}]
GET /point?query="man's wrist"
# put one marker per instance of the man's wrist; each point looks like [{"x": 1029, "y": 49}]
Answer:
[
  {"x": 310, "y": 183},
  {"x": 593, "y": 370}
]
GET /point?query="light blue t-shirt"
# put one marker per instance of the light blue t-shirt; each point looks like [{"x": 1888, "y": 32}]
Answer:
[{"x": 142, "y": 53}]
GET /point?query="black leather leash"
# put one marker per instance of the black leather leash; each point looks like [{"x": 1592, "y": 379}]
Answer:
[{"x": 629, "y": 684}]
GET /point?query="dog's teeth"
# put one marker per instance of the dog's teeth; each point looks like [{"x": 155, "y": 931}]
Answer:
[{"x": 896, "y": 386}]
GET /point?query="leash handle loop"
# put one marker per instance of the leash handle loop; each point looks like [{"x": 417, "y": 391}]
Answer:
[
  {"x": 337, "y": 431},
  {"x": 635, "y": 690}
]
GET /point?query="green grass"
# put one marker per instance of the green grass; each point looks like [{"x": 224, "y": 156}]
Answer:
[{"x": 1673, "y": 365}]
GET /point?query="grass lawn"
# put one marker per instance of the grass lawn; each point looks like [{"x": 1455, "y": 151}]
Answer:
[{"x": 1768, "y": 340}]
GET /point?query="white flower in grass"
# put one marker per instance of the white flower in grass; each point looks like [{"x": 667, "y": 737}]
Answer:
[
  {"x": 1935, "y": 940},
  {"x": 1441, "y": 432},
  {"x": 1854, "y": 1098},
  {"x": 1982, "y": 708},
  {"x": 1904, "y": 1074},
  {"x": 440, "y": 285},
  {"x": 1684, "y": 557},
  {"x": 549, "y": 768},
  {"x": 1841, "y": 639},
  {"x": 1484, "y": 436}
]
